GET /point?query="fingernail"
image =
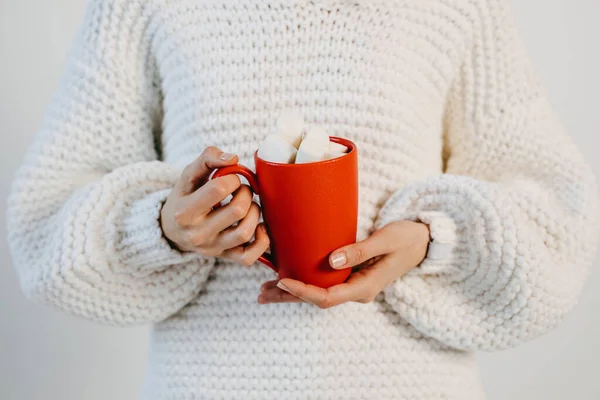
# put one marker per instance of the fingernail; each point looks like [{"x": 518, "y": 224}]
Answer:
[
  {"x": 261, "y": 299},
  {"x": 281, "y": 286},
  {"x": 338, "y": 260},
  {"x": 227, "y": 156}
]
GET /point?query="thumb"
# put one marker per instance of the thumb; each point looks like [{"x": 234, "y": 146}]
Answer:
[
  {"x": 194, "y": 174},
  {"x": 355, "y": 254}
]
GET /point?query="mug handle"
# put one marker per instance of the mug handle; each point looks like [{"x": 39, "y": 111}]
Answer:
[{"x": 266, "y": 259}]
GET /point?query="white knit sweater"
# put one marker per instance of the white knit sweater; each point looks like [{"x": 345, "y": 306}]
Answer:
[{"x": 452, "y": 127}]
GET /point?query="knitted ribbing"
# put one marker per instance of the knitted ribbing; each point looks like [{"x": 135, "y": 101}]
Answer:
[{"x": 453, "y": 129}]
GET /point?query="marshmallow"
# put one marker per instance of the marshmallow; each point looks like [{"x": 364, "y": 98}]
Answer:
[
  {"x": 277, "y": 149},
  {"x": 291, "y": 126},
  {"x": 318, "y": 134},
  {"x": 309, "y": 152},
  {"x": 314, "y": 147},
  {"x": 331, "y": 156},
  {"x": 336, "y": 150}
]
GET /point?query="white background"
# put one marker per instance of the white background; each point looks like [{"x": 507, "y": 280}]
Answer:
[{"x": 47, "y": 355}]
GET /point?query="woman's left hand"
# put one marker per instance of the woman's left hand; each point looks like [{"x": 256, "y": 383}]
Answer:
[{"x": 385, "y": 256}]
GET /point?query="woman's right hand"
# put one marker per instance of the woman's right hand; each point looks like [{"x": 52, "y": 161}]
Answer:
[{"x": 189, "y": 222}]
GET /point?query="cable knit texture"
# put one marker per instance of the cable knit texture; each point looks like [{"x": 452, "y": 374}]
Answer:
[{"x": 452, "y": 127}]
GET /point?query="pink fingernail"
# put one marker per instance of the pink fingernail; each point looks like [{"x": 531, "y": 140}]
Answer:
[
  {"x": 227, "y": 156},
  {"x": 282, "y": 287},
  {"x": 338, "y": 260}
]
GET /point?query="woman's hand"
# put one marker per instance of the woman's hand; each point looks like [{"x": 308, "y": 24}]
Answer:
[
  {"x": 384, "y": 257},
  {"x": 190, "y": 224}
]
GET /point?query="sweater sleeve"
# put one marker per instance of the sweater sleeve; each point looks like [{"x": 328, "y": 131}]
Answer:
[
  {"x": 83, "y": 213},
  {"x": 514, "y": 219}
]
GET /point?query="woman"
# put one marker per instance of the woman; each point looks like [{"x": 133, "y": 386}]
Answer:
[{"x": 110, "y": 216}]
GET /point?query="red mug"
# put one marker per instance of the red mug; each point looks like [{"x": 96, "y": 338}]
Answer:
[{"x": 310, "y": 210}]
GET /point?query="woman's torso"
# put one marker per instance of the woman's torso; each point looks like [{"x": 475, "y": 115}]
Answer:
[{"x": 376, "y": 72}]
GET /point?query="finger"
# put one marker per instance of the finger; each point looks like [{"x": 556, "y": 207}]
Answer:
[
  {"x": 392, "y": 268},
  {"x": 233, "y": 236},
  {"x": 234, "y": 211},
  {"x": 324, "y": 298},
  {"x": 277, "y": 295},
  {"x": 214, "y": 192},
  {"x": 201, "y": 202},
  {"x": 248, "y": 255},
  {"x": 370, "y": 281},
  {"x": 257, "y": 248},
  {"x": 269, "y": 285},
  {"x": 379, "y": 243},
  {"x": 199, "y": 170}
]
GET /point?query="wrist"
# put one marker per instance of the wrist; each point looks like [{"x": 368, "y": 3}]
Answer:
[
  {"x": 423, "y": 236},
  {"x": 442, "y": 235},
  {"x": 163, "y": 222}
]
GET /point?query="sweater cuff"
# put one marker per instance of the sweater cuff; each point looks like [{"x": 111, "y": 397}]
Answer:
[
  {"x": 442, "y": 244},
  {"x": 440, "y": 256},
  {"x": 141, "y": 245}
]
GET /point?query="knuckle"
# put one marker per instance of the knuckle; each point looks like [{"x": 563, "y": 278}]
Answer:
[
  {"x": 198, "y": 239},
  {"x": 243, "y": 196},
  {"x": 245, "y": 192},
  {"x": 243, "y": 234},
  {"x": 264, "y": 242},
  {"x": 325, "y": 304},
  {"x": 359, "y": 254},
  {"x": 254, "y": 208},
  {"x": 234, "y": 182},
  {"x": 218, "y": 190},
  {"x": 238, "y": 211},
  {"x": 180, "y": 218},
  {"x": 246, "y": 260}
]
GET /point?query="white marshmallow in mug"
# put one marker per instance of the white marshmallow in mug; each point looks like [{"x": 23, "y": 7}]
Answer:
[
  {"x": 277, "y": 149},
  {"x": 314, "y": 147},
  {"x": 319, "y": 135},
  {"x": 337, "y": 148},
  {"x": 331, "y": 156},
  {"x": 290, "y": 125}
]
